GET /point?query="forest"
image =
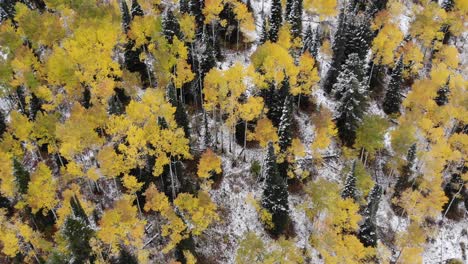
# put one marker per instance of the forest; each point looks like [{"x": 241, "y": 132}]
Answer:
[{"x": 233, "y": 131}]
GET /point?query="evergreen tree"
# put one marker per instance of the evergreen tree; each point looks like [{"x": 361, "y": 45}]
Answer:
[
  {"x": 350, "y": 190},
  {"x": 180, "y": 114},
  {"x": 115, "y": 106},
  {"x": 78, "y": 210},
  {"x": 171, "y": 26},
  {"x": 184, "y": 6},
  {"x": 86, "y": 99},
  {"x": 284, "y": 129},
  {"x": 22, "y": 176},
  {"x": 275, "y": 193},
  {"x": 338, "y": 53},
  {"x": 274, "y": 100},
  {"x": 358, "y": 36},
  {"x": 3, "y": 125},
  {"x": 448, "y": 5},
  {"x": 264, "y": 35},
  {"x": 77, "y": 234},
  {"x": 276, "y": 19},
  {"x": 353, "y": 71},
  {"x": 196, "y": 11},
  {"x": 126, "y": 19},
  {"x": 367, "y": 232},
  {"x": 373, "y": 7},
  {"x": 35, "y": 105},
  {"x": 295, "y": 18},
  {"x": 288, "y": 8},
  {"x": 407, "y": 173},
  {"x": 312, "y": 41},
  {"x": 126, "y": 257},
  {"x": 443, "y": 94},
  {"x": 351, "y": 108},
  {"x": 240, "y": 132},
  {"x": 136, "y": 9},
  {"x": 393, "y": 97}
]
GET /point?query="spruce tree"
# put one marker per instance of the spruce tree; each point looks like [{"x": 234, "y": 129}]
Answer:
[
  {"x": 276, "y": 19},
  {"x": 77, "y": 234},
  {"x": 448, "y": 5},
  {"x": 125, "y": 257},
  {"x": 358, "y": 36},
  {"x": 3, "y": 125},
  {"x": 373, "y": 7},
  {"x": 184, "y": 6},
  {"x": 338, "y": 53},
  {"x": 22, "y": 176},
  {"x": 288, "y": 8},
  {"x": 393, "y": 97},
  {"x": 294, "y": 18},
  {"x": 136, "y": 9},
  {"x": 368, "y": 230},
  {"x": 78, "y": 210},
  {"x": 275, "y": 193},
  {"x": 284, "y": 128},
  {"x": 196, "y": 7},
  {"x": 350, "y": 190},
  {"x": 126, "y": 19},
  {"x": 311, "y": 41},
  {"x": 264, "y": 34},
  {"x": 274, "y": 100},
  {"x": 351, "y": 108},
  {"x": 353, "y": 72},
  {"x": 180, "y": 114},
  {"x": 443, "y": 94},
  {"x": 407, "y": 172},
  {"x": 171, "y": 26}
]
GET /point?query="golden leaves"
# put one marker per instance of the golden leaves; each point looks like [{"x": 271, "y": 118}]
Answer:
[{"x": 209, "y": 162}]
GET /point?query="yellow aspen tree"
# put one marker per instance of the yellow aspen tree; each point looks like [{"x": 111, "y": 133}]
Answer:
[
  {"x": 265, "y": 132},
  {"x": 307, "y": 77},
  {"x": 175, "y": 229},
  {"x": 7, "y": 180},
  {"x": 209, "y": 162},
  {"x": 427, "y": 24},
  {"x": 41, "y": 190},
  {"x": 245, "y": 19},
  {"x": 121, "y": 225},
  {"x": 385, "y": 43},
  {"x": 200, "y": 211},
  {"x": 8, "y": 238},
  {"x": 324, "y": 8}
]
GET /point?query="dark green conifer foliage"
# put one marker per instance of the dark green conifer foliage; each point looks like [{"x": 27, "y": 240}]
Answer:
[
  {"x": 285, "y": 125},
  {"x": 350, "y": 189},
  {"x": 276, "y": 19},
  {"x": 368, "y": 230},
  {"x": 78, "y": 234},
  {"x": 22, "y": 176},
  {"x": 184, "y": 6},
  {"x": 294, "y": 17},
  {"x": 171, "y": 26},
  {"x": 393, "y": 97},
  {"x": 264, "y": 34},
  {"x": 275, "y": 193},
  {"x": 312, "y": 41},
  {"x": 126, "y": 257},
  {"x": 443, "y": 94},
  {"x": 136, "y": 9},
  {"x": 3, "y": 125},
  {"x": 126, "y": 18}
]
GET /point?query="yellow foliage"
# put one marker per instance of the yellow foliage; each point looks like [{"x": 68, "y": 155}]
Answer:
[
  {"x": 209, "y": 162},
  {"x": 7, "y": 180},
  {"x": 324, "y": 8},
  {"x": 201, "y": 209},
  {"x": 265, "y": 132},
  {"x": 385, "y": 43},
  {"x": 131, "y": 183},
  {"x": 252, "y": 108},
  {"x": 308, "y": 75},
  {"x": 41, "y": 190}
]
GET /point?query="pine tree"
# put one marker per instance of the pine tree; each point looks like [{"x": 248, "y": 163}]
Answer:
[
  {"x": 184, "y": 6},
  {"x": 136, "y": 9},
  {"x": 275, "y": 193},
  {"x": 276, "y": 20},
  {"x": 3, "y": 125},
  {"x": 22, "y": 176},
  {"x": 196, "y": 11},
  {"x": 338, "y": 53},
  {"x": 351, "y": 108},
  {"x": 407, "y": 172},
  {"x": 448, "y": 5},
  {"x": 274, "y": 100},
  {"x": 288, "y": 9},
  {"x": 264, "y": 35},
  {"x": 312, "y": 41},
  {"x": 353, "y": 71},
  {"x": 393, "y": 97},
  {"x": 78, "y": 210},
  {"x": 126, "y": 257},
  {"x": 294, "y": 18},
  {"x": 284, "y": 128},
  {"x": 126, "y": 19},
  {"x": 358, "y": 36},
  {"x": 350, "y": 190},
  {"x": 77, "y": 234},
  {"x": 171, "y": 26},
  {"x": 443, "y": 94},
  {"x": 368, "y": 230},
  {"x": 373, "y": 7},
  {"x": 180, "y": 114}
]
